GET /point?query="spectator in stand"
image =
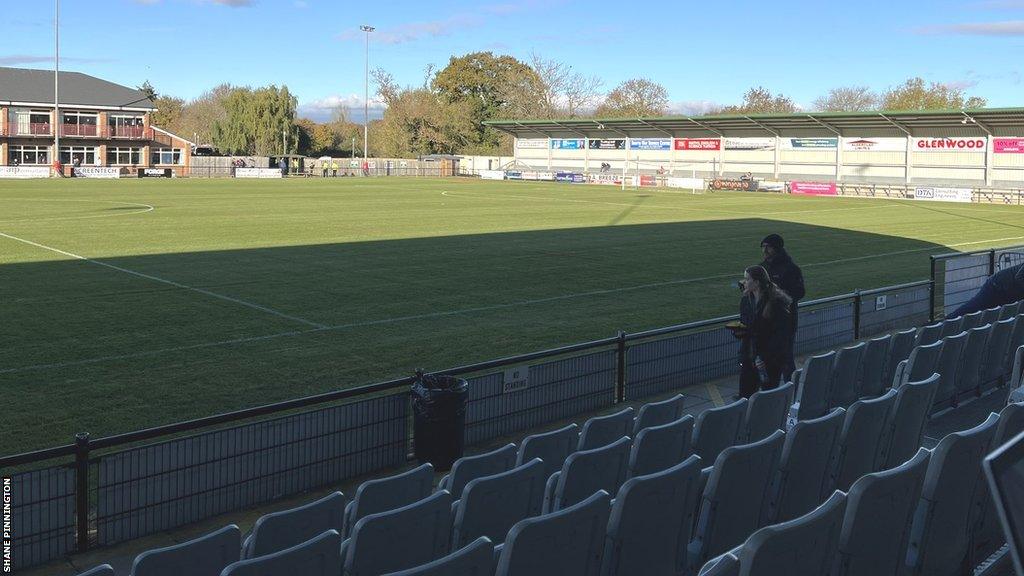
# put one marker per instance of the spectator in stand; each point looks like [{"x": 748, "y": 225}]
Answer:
[
  {"x": 767, "y": 350},
  {"x": 784, "y": 273},
  {"x": 1003, "y": 287}
]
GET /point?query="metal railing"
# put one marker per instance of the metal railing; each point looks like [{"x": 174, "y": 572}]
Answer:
[{"x": 957, "y": 276}]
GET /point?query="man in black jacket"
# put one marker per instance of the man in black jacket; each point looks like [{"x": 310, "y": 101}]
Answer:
[
  {"x": 787, "y": 276},
  {"x": 1003, "y": 287}
]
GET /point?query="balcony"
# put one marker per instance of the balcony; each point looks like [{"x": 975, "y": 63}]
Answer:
[
  {"x": 33, "y": 129},
  {"x": 44, "y": 129},
  {"x": 80, "y": 130},
  {"x": 126, "y": 132}
]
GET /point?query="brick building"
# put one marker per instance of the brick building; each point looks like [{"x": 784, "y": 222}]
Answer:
[{"x": 101, "y": 124}]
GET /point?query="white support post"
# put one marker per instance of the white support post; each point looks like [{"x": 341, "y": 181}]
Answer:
[
  {"x": 777, "y": 157},
  {"x": 839, "y": 158},
  {"x": 548, "y": 140},
  {"x": 988, "y": 160},
  {"x": 909, "y": 169}
]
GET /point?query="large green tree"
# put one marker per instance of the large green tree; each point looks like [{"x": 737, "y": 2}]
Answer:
[
  {"x": 635, "y": 98},
  {"x": 258, "y": 121},
  {"x": 914, "y": 94}
]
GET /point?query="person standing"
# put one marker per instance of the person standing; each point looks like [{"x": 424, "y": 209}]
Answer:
[
  {"x": 326, "y": 167},
  {"x": 768, "y": 310},
  {"x": 334, "y": 168},
  {"x": 784, "y": 273}
]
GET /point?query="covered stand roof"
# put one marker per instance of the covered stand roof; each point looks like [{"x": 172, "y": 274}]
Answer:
[{"x": 969, "y": 122}]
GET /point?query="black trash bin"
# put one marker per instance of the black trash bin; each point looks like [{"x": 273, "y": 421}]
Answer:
[{"x": 439, "y": 418}]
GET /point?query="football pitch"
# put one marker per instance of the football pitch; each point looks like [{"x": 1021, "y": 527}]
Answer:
[{"x": 128, "y": 304}]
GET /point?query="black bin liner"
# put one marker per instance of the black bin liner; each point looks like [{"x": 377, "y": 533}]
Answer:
[{"x": 439, "y": 418}]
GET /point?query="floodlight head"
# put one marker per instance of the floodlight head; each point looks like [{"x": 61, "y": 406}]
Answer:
[{"x": 365, "y": 28}]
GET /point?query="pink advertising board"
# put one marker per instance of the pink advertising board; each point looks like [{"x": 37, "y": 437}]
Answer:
[
  {"x": 1008, "y": 145},
  {"x": 813, "y": 188}
]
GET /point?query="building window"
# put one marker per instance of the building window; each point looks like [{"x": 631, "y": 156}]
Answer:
[
  {"x": 30, "y": 122},
  {"x": 29, "y": 155},
  {"x": 124, "y": 156},
  {"x": 80, "y": 123},
  {"x": 78, "y": 155},
  {"x": 125, "y": 126},
  {"x": 167, "y": 156}
]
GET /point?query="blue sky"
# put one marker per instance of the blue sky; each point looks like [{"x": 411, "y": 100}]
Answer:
[{"x": 704, "y": 52}]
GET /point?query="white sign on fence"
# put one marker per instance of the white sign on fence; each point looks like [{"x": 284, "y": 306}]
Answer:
[
  {"x": 881, "y": 303},
  {"x": 97, "y": 172},
  {"x": 24, "y": 172},
  {"x": 257, "y": 173},
  {"x": 691, "y": 183},
  {"x": 541, "y": 143},
  {"x": 492, "y": 174},
  {"x": 943, "y": 194},
  {"x": 515, "y": 379}
]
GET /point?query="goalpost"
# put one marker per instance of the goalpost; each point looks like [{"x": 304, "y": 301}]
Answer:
[{"x": 659, "y": 171}]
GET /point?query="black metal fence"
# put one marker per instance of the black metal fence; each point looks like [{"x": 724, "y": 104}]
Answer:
[{"x": 108, "y": 490}]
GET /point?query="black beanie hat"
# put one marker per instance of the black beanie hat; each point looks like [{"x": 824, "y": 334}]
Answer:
[{"x": 773, "y": 240}]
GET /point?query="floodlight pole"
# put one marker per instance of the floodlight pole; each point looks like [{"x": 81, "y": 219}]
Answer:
[
  {"x": 56, "y": 82},
  {"x": 366, "y": 93}
]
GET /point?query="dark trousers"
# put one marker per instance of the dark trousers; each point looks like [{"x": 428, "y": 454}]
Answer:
[
  {"x": 750, "y": 378},
  {"x": 988, "y": 296},
  {"x": 789, "y": 366}
]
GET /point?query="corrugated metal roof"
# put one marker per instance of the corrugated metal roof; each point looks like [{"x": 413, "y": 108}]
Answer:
[{"x": 76, "y": 89}]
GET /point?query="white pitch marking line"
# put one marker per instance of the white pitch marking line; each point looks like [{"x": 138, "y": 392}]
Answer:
[
  {"x": 168, "y": 282},
  {"x": 323, "y": 328},
  {"x": 145, "y": 208}
]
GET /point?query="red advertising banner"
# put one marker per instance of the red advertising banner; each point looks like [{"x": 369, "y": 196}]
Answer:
[
  {"x": 1008, "y": 145},
  {"x": 813, "y": 188},
  {"x": 648, "y": 181},
  {"x": 698, "y": 144}
]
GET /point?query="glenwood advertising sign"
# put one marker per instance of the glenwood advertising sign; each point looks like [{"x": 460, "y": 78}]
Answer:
[{"x": 949, "y": 144}]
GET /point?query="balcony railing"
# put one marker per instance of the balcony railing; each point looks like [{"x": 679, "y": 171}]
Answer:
[
  {"x": 33, "y": 129},
  {"x": 83, "y": 131},
  {"x": 129, "y": 132}
]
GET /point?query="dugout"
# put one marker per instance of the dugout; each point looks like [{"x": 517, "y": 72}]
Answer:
[
  {"x": 296, "y": 162},
  {"x": 441, "y": 164}
]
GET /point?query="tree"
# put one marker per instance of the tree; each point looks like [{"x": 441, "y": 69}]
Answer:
[
  {"x": 760, "y": 100},
  {"x": 148, "y": 90},
  {"x": 915, "y": 95},
  {"x": 564, "y": 92},
  {"x": 847, "y": 99},
  {"x": 199, "y": 115},
  {"x": 169, "y": 113},
  {"x": 635, "y": 98},
  {"x": 258, "y": 121}
]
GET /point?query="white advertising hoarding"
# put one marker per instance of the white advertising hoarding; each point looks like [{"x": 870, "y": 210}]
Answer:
[
  {"x": 971, "y": 144},
  {"x": 492, "y": 174},
  {"x": 691, "y": 183},
  {"x": 875, "y": 144},
  {"x": 24, "y": 172},
  {"x": 258, "y": 173},
  {"x": 943, "y": 194},
  {"x": 98, "y": 172},
  {"x": 541, "y": 143}
]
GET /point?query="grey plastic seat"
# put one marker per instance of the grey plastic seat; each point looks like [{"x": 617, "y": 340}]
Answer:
[
  {"x": 939, "y": 536},
  {"x": 736, "y": 499},
  {"x": 951, "y": 327},
  {"x": 101, "y": 570},
  {"x": 316, "y": 557},
  {"x": 1009, "y": 310},
  {"x": 660, "y": 447},
  {"x": 972, "y": 320},
  {"x": 491, "y": 506},
  {"x": 990, "y": 316},
  {"x": 718, "y": 428},
  {"x": 1016, "y": 341},
  {"x": 922, "y": 363},
  {"x": 1011, "y": 423},
  {"x": 204, "y": 556},
  {"x": 860, "y": 440},
  {"x": 879, "y": 511},
  {"x": 551, "y": 447},
  {"x": 1017, "y": 375},
  {"x": 603, "y": 430},
  {"x": 814, "y": 389},
  {"x": 475, "y": 559},
  {"x": 383, "y": 494},
  {"x": 724, "y": 565},
  {"x": 986, "y": 529},
  {"x": 948, "y": 367},
  {"x": 658, "y": 413},
  {"x": 993, "y": 363},
  {"x": 968, "y": 381},
  {"x": 872, "y": 381},
  {"x": 652, "y": 521},
  {"x": 766, "y": 413},
  {"x": 399, "y": 539},
  {"x": 845, "y": 375},
  {"x": 279, "y": 530},
  {"x": 586, "y": 472},
  {"x": 470, "y": 467},
  {"x": 569, "y": 542},
  {"x": 929, "y": 334},
  {"x": 900, "y": 347},
  {"x": 904, "y": 428},
  {"x": 805, "y": 545},
  {"x": 805, "y": 468}
]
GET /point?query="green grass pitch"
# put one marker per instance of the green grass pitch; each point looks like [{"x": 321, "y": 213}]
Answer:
[{"x": 127, "y": 304}]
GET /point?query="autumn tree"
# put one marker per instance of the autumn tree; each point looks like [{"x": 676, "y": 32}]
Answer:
[
  {"x": 914, "y": 94},
  {"x": 564, "y": 91},
  {"x": 635, "y": 98},
  {"x": 760, "y": 100},
  {"x": 847, "y": 99}
]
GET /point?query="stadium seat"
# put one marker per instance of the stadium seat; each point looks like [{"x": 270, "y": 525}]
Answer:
[
  {"x": 1016, "y": 341},
  {"x": 651, "y": 522},
  {"x": 279, "y": 530},
  {"x": 972, "y": 320},
  {"x": 1011, "y": 423},
  {"x": 766, "y": 413},
  {"x": 724, "y": 565},
  {"x": 952, "y": 327},
  {"x": 101, "y": 570},
  {"x": 805, "y": 545},
  {"x": 845, "y": 375},
  {"x": 986, "y": 530},
  {"x": 922, "y": 363},
  {"x": 904, "y": 428},
  {"x": 993, "y": 364},
  {"x": 872, "y": 381},
  {"x": 813, "y": 390},
  {"x": 990, "y": 316},
  {"x": 1009, "y": 311},
  {"x": 204, "y": 556},
  {"x": 876, "y": 526},
  {"x": 586, "y": 472},
  {"x": 939, "y": 534},
  {"x": 860, "y": 439},
  {"x": 383, "y": 494},
  {"x": 603, "y": 430},
  {"x": 931, "y": 333},
  {"x": 947, "y": 368},
  {"x": 475, "y": 559},
  {"x": 658, "y": 413},
  {"x": 899, "y": 350},
  {"x": 660, "y": 447},
  {"x": 491, "y": 505},
  {"x": 718, "y": 428},
  {"x": 805, "y": 468},
  {"x": 470, "y": 467},
  {"x": 968, "y": 381},
  {"x": 736, "y": 498},
  {"x": 316, "y": 557},
  {"x": 1017, "y": 375},
  {"x": 569, "y": 542},
  {"x": 551, "y": 447},
  {"x": 399, "y": 539}
]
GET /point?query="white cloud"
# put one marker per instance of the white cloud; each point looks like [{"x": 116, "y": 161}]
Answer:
[
  {"x": 1003, "y": 28},
  {"x": 414, "y": 31},
  {"x": 694, "y": 107},
  {"x": 322, "y": 109}
]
